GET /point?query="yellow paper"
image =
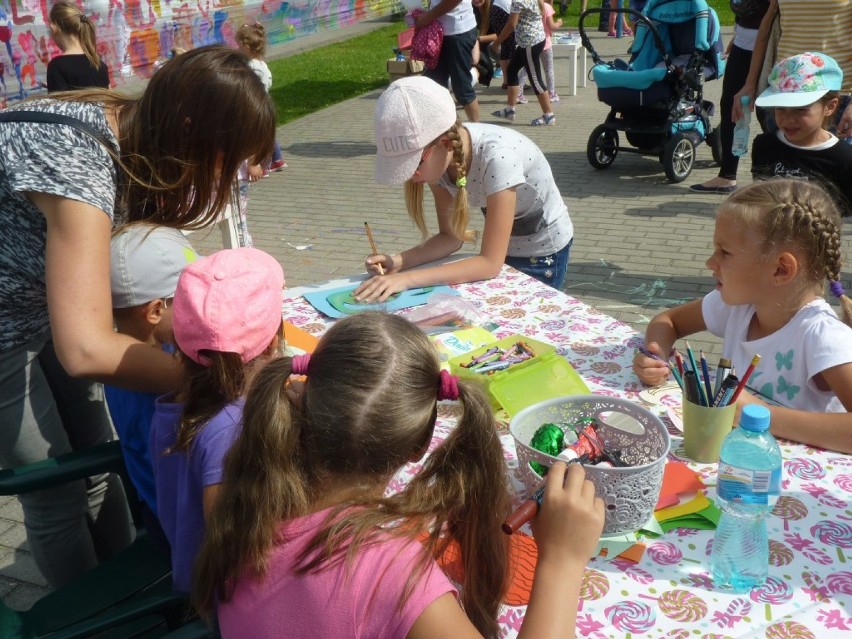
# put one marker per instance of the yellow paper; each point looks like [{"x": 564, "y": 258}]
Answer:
[{"x": 700, "y": 502}]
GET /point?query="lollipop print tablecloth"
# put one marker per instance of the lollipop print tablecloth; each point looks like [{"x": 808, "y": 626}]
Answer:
[{"x": 669, "y": 593}]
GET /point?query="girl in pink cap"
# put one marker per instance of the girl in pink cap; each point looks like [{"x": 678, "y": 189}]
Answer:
[
  {"x": 306, "y": 539},
  {"x": 226, "y": 320}
]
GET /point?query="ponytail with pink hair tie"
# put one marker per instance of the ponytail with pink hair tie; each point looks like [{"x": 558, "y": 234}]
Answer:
[
  {"x": 449, "y": 387},
  {"x": 299, "y": 364}
]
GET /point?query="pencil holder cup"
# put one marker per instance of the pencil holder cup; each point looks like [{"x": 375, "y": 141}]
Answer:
[
  {"x": 704, "y": 430},
  {"x": 629, "y": 493}
]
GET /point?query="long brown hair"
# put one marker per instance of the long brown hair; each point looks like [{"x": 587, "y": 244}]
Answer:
[
  {"x": 181, "y": 143},
  {"x": 369, "y": 406},
  {"x": 799, "y": 214},
  {"x": 71, "y": 21}
]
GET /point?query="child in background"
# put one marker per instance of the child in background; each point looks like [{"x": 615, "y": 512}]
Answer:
[
  {"x": 227, "y": 319},
  {"x": 803, "y": 91},
  {"x": 526, "y": 23},
  {"x": 251, "y": 39},
  {"x": 526, "y": 221},
  {"x": 145, "y": 264},
  {"x": 550, "y": 25},
  {"x": 776, "y": 242},
  {"x": 311, "y": 477},
  {"x": 80, "y": 66},
  {"x": 613, "y": 17}
]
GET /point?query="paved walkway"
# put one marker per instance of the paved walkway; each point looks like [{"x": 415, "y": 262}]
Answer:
[{"x": 640, "y": 242}]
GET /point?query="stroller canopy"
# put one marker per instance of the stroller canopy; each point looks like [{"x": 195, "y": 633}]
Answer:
[{"x": 686, "y": 28}]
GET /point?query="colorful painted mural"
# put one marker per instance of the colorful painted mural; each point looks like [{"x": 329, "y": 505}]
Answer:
[{"x": 134, "y": 36}]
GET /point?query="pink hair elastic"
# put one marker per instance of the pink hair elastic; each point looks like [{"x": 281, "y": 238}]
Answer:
[
  {"x": 299, "y": 364},
  {"x": 449, "y": 387}
]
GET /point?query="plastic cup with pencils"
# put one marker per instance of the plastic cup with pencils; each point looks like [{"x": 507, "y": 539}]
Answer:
[{"x": 708, "y": 417}]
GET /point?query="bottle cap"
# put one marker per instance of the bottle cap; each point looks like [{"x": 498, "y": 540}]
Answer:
[
  {"x": 744, "y": 100},
  {"x": 755, "y": 418}
]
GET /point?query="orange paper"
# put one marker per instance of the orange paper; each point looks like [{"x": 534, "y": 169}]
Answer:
[
  {"x": 678, "y": 478},
  {"x": 302, "y": 340}
]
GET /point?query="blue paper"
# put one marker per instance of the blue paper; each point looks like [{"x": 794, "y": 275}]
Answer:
[{"x": 407, "y": 299}]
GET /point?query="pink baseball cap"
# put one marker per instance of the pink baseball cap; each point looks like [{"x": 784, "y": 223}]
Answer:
[
  {"x": 411, "y": 113},
  {"x": 229, "y": 302}
]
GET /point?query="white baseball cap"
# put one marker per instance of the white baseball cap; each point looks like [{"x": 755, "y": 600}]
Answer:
[
  {"x": 410, "y": 114},
  {"x": 146, "y": 262}
]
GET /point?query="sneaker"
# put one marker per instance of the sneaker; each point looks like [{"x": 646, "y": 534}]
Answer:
[
  {"x": 611, "y": 33},
  {"x": 506, "y": 113},
  {"x": 498, "y": 73},
  {"x": 522, "y": 99},
  {"x": 554, "y": 97},
  {"x": 546, "y": 119},
  {"x": 278, "y": 165},
  {"x": 628, "y": 32}
]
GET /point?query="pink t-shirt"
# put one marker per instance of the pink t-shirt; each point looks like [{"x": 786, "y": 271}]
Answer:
[
  {"x": 545, "y": 18},
  {"x": 327, "y": 603}
]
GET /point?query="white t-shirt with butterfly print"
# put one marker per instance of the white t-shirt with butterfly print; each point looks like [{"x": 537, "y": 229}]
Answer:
[{"x": 813, "y": 341}]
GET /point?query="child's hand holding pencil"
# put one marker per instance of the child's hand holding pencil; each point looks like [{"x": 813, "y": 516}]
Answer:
[{"x": 650, "y": 364}]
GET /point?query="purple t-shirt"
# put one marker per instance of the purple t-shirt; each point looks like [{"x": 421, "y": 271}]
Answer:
[
  {"x": 180, "y": 478},
  {"x": 329, "y": 603}
]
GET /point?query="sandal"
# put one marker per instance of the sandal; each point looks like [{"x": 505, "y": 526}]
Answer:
[{"x": 545, "y": 120}]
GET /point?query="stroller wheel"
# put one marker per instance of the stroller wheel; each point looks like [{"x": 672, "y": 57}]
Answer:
[
  {"x": 678, "y": 156},
  {"x": 602, "y": 147},
  {"x": 715, "y": 142}
]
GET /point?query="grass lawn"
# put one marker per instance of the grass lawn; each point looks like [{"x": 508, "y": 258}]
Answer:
[{"x": 313, "y": 80}]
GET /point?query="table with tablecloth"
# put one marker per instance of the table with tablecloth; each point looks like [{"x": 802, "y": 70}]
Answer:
[{"x": 669, "y": 593}]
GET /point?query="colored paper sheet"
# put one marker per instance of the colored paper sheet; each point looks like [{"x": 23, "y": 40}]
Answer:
[
  {"x": 678, "y": 478},
  {"x": 296, "y": 337}
]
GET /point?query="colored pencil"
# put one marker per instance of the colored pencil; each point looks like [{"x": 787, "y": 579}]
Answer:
[
  {"x": 705, "y": 373},
  {"x": 677, "y": 376},
  {"x": 679, "y": 361},
  {"x": 754, "y": 362},
  {"x": 648, "y": 353},
  {"x": 373, "y": 246}
]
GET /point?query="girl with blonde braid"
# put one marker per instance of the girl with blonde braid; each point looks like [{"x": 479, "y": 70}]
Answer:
[
  {"x": 420, "y": 141},
  {"x": 80, "y": 66},
  {"x": 776, "y": 243},
  {"x": 304, "y": 536}
]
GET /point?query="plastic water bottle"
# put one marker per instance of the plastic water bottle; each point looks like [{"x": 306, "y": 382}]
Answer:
[
  {"x": 741, "y": 130},
  {"x": 747, "y": 488}
]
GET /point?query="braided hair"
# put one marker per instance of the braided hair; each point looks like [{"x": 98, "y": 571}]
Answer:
[
  {"x": 461, "y": 212},
  {"x": 800, "y": 214}
]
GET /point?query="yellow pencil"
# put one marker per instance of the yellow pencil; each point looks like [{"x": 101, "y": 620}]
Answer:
[{"x": 373, "y": 246}]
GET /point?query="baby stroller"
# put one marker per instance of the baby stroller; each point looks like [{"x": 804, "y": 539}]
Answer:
[{"x": 656, "y": 98}]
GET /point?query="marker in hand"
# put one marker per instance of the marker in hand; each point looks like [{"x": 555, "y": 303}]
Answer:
[{"x": 532, "y": 504}]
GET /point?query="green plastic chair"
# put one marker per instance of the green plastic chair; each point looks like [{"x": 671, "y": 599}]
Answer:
[{"x": 129, "y": 595}]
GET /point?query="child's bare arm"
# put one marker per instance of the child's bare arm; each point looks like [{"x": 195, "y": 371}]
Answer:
[
  {"x": 825, "y": 430},
  {"x": 660, "y": 336}
]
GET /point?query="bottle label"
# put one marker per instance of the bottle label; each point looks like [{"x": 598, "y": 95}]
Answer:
[{"x": 741, "y": 485}]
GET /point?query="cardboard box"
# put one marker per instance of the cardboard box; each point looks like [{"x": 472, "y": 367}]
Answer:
[{"x": 401, "y": 68}]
